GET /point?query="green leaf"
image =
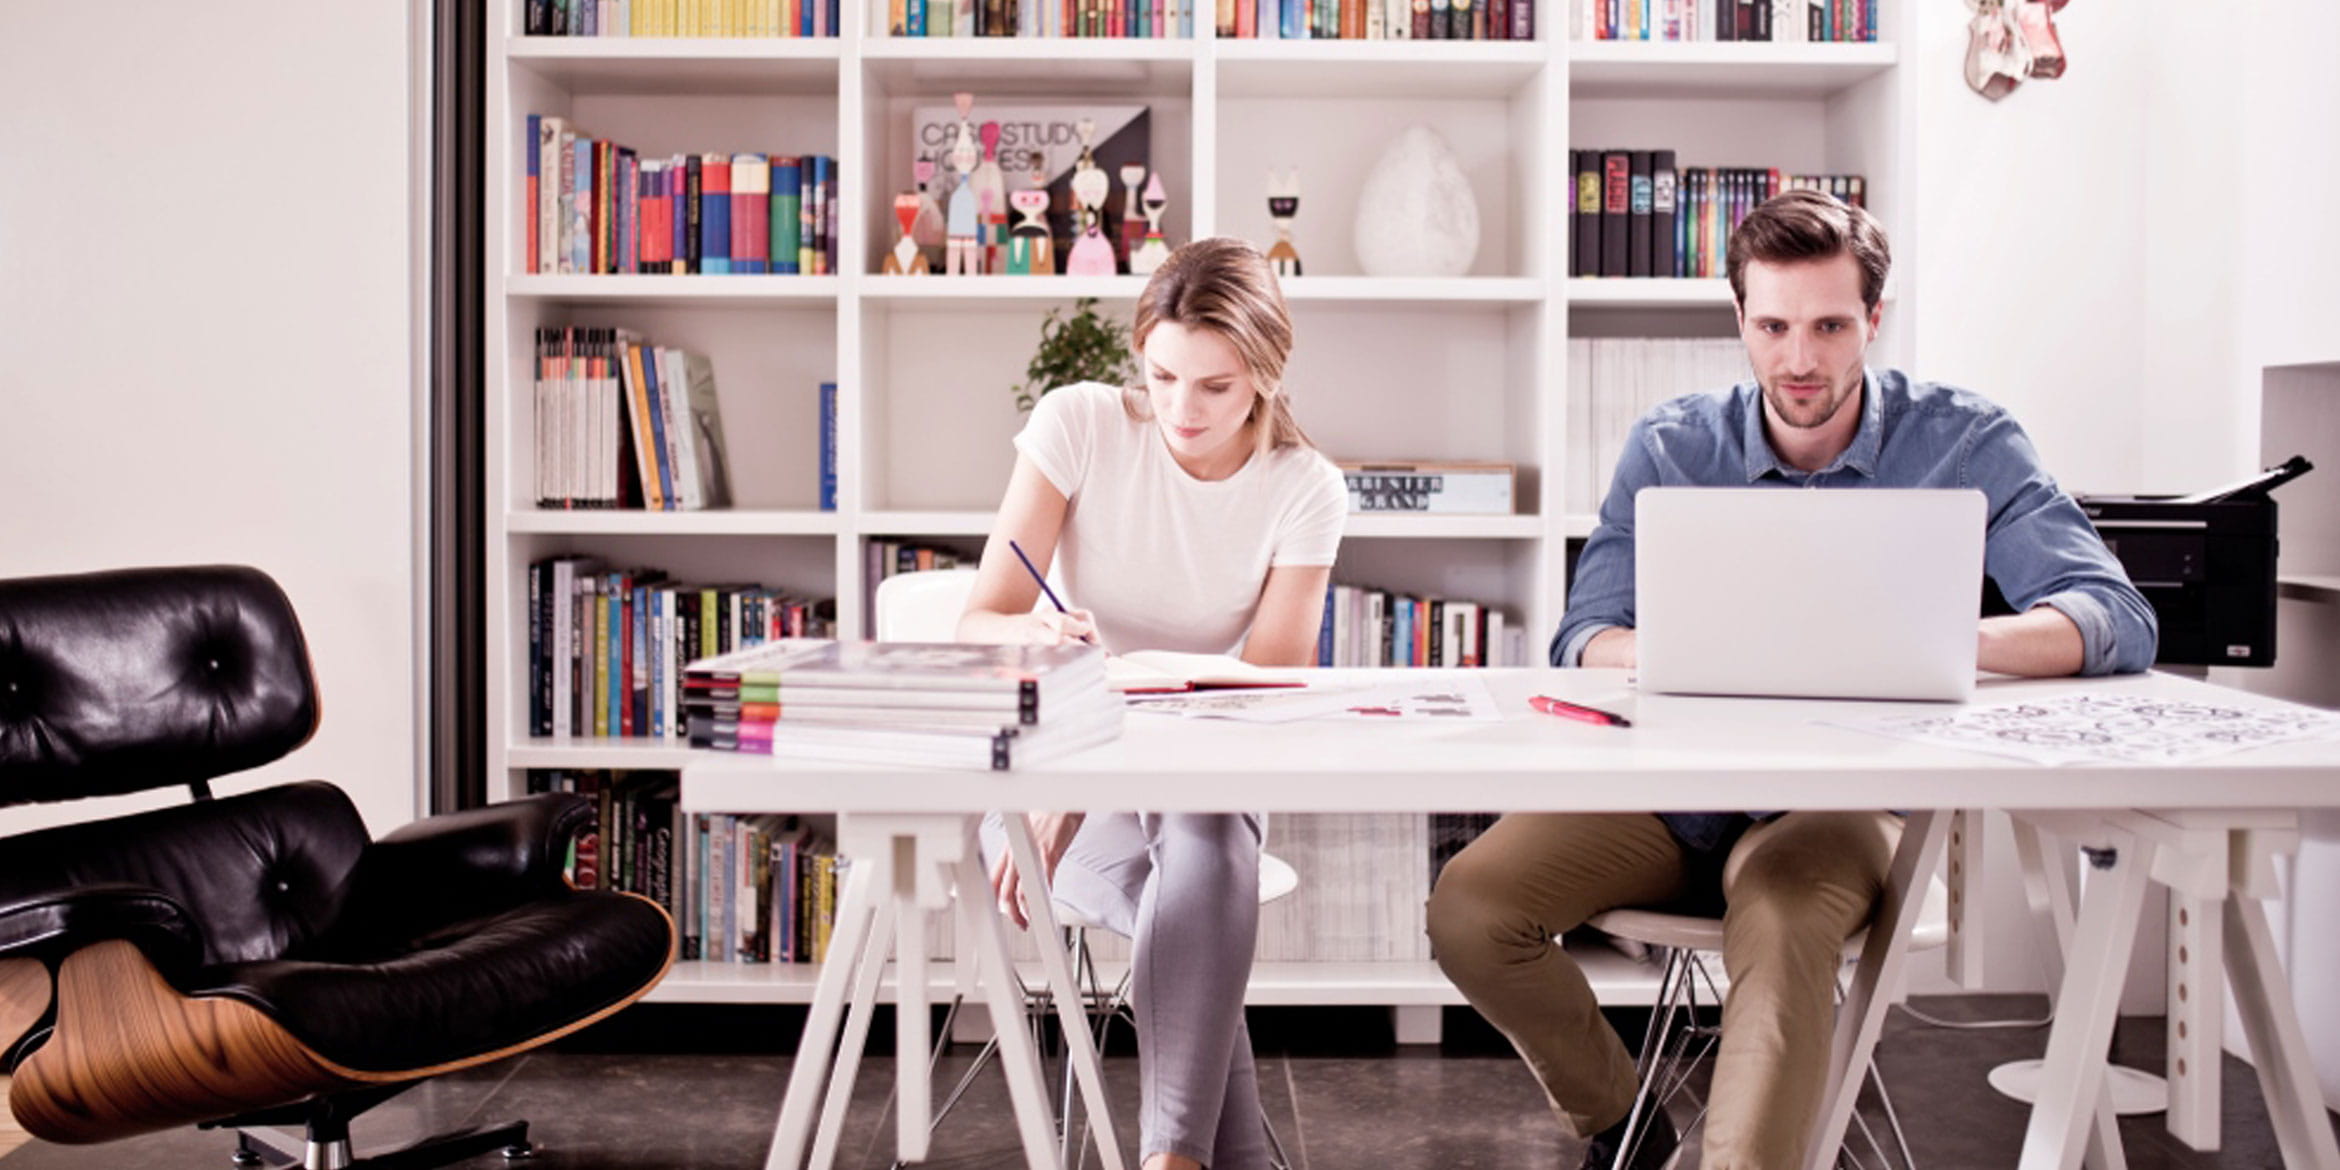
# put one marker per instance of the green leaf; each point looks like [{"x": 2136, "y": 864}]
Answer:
[{"x": 1084, "y": 347}]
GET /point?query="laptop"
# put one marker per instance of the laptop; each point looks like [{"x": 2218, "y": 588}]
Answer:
[{"x": 1849, "y": 593}]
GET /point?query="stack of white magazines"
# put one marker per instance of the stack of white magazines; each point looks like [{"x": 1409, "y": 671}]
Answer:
[{"x": 945, "y": 704}]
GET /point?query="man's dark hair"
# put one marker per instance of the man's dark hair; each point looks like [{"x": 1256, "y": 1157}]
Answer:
[{"x": 1808, "y": 225}]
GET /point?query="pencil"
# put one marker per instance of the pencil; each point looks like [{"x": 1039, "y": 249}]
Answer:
[{"x": 1034, "y": 570}]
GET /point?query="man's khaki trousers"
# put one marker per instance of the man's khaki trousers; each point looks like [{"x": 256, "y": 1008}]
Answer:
[{"x": 1795, "y": 888}]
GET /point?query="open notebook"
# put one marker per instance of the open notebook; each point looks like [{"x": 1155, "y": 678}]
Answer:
[{"x": 1157, "y": 672}]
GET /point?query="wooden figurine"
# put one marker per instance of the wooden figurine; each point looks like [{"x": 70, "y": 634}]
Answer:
[
  {"x": 1133, "y": 181},
  {"x": 905, "y": 258},
  {"x": 1030, "y": 248},
  {"x": 1091, "y": 254},
  {"x": 929, "y": 230},
  {"x": 1283, "y": 204},
  {"x": 1151, "y": 253},
  {"x": 962, "y": 254},
  {"x": 991, "y": 200}
]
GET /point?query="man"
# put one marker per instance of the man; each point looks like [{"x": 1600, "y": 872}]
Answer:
[{"x": 1806, "y": 272}]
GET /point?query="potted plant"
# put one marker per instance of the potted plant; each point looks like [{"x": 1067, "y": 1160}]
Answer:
[{"x": 1085, "y": 346}]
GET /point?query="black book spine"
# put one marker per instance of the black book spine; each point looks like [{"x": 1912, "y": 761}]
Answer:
[
  {"x": 1437, "y": 654},
  {"x": 1637, "y": 243},
  {"x": 1665, "y": 224},
  {"x": 539, "y": 662},
  {"x": 1616, "y": 204},
  {"x": 1588, "y": 213},
  {"x": 690, "y": 256}
]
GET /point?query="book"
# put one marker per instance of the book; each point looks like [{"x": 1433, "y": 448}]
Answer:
[
  {"x": 1044, "y": 671},
  {"x": 705, "y": 432},
  {"x": 1124, "y": 134},
  {"x": 994, "y": 749},
  {"x": 1587, "y": 215},
  {"x": 1158, "y": 672},
  {"x": 828, "y": 447},
  {"x": 751, "y": 224},
  {"x": 1463, "y": 489},
  {"x": 1638, "y": 237},
  {"x": 1616, "y": 208},
  {"x": 1661, "y": 213}
]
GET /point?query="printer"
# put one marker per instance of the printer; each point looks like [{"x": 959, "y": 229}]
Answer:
[{"x": 2205, "y": 562}]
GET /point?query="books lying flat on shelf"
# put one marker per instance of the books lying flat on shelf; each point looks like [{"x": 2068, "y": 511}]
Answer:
[
  {"x": 944, "y": 704},
  {"x": 1453, "y": 489},
  {"x": 1159, "y": 672}
]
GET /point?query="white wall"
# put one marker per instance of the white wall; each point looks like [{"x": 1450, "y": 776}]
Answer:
[
  {"x": 205, "y": 331},
  {"x": 2117, "y": 256},
  {"x": 2031, "y": 228}
]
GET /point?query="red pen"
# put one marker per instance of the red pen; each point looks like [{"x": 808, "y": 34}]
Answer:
[{"x": 1567, "y": 710}]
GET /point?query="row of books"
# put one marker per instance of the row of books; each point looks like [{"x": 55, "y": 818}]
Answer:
[
  {"x": 1379, "y": 20},
  {"x": 624, "y": 424},
  {"x": 607, "y": 647},
  {"x": 966, "y": 706},
  {"x": 741, "y": 889},
  {"x": 1726, "y": 20},
  {"x": 1364, "y": 626},
  {"x": 1637, "y": 214},
  {"x": 590, "y": 205},
  {"x": 621, "y": 423},
  {"x": 681, "y": 18},
  {"x": 1122, "y": 19},
  {"x": 1613, "y": 381}
]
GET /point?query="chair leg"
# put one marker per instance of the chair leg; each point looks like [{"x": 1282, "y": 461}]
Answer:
[
  {"x": 1673, "y": 987},
  {"x": 1277, "y": 1158},
  {"x": 1892, "y": 1118}
]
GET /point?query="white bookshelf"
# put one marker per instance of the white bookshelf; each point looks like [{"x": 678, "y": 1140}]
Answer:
[{"x": 1468, "y": 367}]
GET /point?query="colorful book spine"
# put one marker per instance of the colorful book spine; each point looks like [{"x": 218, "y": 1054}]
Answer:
[
  {"x": 787, "y": 201},
  {"x": 715, "y": 214},
  {"x": 828, "y": 446},
  {"x": 532, "y": 196},
  {"x": 751, "y": 222}
]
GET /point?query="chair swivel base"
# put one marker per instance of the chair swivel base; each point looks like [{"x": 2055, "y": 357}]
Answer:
[
  {"x": 2134, "y": 1091},
  {"x": 445, "y": 1149},
  {"x": 323, "y": 1140}
]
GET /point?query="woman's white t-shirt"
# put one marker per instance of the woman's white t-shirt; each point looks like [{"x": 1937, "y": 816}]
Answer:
[{"x": 1164, "y": 560}]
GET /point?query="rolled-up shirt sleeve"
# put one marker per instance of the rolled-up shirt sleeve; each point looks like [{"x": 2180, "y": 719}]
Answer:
[
  {"x": 2041, "y": 550},
  {"x": 1600, "y": 592}
]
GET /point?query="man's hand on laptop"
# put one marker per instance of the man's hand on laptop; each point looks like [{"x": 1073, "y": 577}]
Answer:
[{"x": 1612, "y": 647}]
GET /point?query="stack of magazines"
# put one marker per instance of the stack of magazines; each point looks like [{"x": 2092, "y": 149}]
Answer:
[{"x": 944, "y": 704}]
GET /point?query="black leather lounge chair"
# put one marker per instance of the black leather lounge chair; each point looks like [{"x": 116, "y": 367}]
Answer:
[{"x": 255, "y": 960}]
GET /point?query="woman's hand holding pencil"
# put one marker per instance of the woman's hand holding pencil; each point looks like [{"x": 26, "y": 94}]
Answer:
[{"x": 1054, "y": 629}]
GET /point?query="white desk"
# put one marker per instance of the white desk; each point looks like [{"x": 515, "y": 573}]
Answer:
[{"x": 1684, "y": 753}]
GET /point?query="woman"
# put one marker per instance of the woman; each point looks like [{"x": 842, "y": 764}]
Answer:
[{"x": 1189, "y": 513}]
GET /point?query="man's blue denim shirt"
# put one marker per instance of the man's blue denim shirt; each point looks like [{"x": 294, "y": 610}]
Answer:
[{"x": 2038, "y": 545}]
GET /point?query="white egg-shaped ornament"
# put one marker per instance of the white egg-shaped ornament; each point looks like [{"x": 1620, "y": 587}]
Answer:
[{"x": 1416, "y": 215}]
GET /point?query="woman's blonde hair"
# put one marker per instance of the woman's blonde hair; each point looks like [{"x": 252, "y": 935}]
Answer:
[{"x": 1225, "y": 285}]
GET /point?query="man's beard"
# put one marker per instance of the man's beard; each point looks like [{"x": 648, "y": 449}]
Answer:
[{"x": 1806, "y": 416}]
